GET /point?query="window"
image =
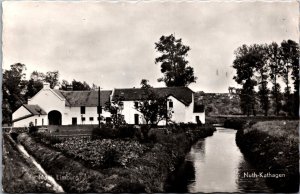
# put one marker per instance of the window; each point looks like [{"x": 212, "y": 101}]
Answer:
[
  {"x": 99, "y": 109},
  {"x": 35, "y": 122},
  {"x": 42, "y": 122},
  {"x": 91, "y": 118},
  {"x": 83, "y": 118},
  {"x": 170, "y": 104},
  {"x": 82, "y": 110}
]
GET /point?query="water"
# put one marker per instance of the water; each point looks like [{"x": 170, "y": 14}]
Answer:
[
  {"x": 215, "y": 164},
  {"x": 57, "y": 187}
]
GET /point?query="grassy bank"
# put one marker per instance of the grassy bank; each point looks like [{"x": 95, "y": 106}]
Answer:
[
  {"x": 20, "y": 175},
  {"x": 119, "y": 164},
  {"x": 244, "y": 122},
  {"x": 272, "y": 147}
]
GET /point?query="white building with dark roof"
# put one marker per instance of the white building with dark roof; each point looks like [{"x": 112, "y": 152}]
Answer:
[{"x": 58, "y": 107}]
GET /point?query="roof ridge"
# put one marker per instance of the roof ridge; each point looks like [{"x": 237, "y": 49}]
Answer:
[
  {"x": 85, "y": 91},
  {"x": 153, "y": 88}
]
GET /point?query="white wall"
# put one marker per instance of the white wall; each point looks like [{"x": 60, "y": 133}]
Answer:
[
  {"x": 25, "y": 122},
  {"x": 191, "y": 116},
  {"x": 129, "y": 111},
  {"x": 179, "y": 110},
  {"x": 20, "y": 112},
  {"x": 89, "y": 112}
]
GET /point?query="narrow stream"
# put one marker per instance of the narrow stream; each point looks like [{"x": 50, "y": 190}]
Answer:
[
  {"x": 57, "y": 187},
  {"x": 215, "y": 164}
]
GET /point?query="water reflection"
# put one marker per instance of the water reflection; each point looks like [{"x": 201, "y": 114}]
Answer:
[
  {"x": 215, "y": 164},
  {"x": 253, "y": 184}
]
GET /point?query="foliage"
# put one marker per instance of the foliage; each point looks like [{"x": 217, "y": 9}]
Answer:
[
  {"x": 152, "y": 106},
  {"x": 275, "y": 68},
  {"x": 273, "y": 146},
  {"x": 173, "y": 62},
  {"x": 79, "y": 86},
  {"x": 256, "y": 64},
  {"x": 245, "y": 64},
  {"x": 13, "y": 90},
  {"x": 32, "y": 128},
  {"x": 52, "y": 78},
  {"x": 103, "y": 153},
  {"x": 115, "y": 107}
]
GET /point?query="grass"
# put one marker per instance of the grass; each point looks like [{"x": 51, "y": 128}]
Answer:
[
  {"x": 273, "y": 146},
  {"x": 279, "y": 129}
]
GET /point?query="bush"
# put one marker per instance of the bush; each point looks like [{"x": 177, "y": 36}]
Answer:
[
  {"x": 108, "y": 132},
  {"x": 104, "y": 132},
  {"x": 32, "y": 128},
  {"x": 110, "y": 158}
]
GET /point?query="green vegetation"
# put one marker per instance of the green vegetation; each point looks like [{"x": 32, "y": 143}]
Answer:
[{"x": 272, "y": 146}]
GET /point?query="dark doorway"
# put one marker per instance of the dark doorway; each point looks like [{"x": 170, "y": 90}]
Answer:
[
  {"x": 74, "y": 121},
  {"x": 54, "y": 117},
  {"x": 136, "y": 119}
]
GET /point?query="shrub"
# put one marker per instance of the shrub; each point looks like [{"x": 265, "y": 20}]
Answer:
[
  {"x": 104, "y": 132},
  {"x": 110, "y": 158},
  {"x": 32, "y": 128},
  {"x": 126, "y": 131}
]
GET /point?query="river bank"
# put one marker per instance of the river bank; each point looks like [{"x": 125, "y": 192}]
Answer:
[
  {"x": 145, "y": 173},
  {"x": 20, "y": 174},
  {"x": 272, "y": 147}
]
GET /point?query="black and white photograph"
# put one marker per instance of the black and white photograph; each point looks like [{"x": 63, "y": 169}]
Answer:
[{"x": 149, "y": 96}]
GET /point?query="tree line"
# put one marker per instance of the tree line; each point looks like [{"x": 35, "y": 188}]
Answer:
[{"x": 268, "y": 67}]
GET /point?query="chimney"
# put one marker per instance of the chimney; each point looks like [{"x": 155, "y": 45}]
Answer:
[{"x": 46, "y": 85}]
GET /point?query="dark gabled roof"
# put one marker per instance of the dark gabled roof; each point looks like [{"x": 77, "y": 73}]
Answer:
[
  {"x": 183, "y": 94},
  {"x": 34, "y": 109},
  {"x": 84, "y": 98}
]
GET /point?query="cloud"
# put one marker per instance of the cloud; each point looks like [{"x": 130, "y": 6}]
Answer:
[{"x": 112, "y": 44}]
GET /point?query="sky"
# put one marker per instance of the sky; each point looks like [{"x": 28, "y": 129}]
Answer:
[{"x": 113, "y": 44}]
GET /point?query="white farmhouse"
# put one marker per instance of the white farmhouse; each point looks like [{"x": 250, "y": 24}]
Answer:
[
  {"x": 58, "y": 107},
  {"x": 180, "y": 102}
]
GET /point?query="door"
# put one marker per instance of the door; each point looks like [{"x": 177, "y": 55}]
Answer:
[
  {"x": 74, "y": 121},
  {"x": 136, "y": 119}
]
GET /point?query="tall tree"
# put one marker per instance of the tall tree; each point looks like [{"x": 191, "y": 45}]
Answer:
[
  {"x": 290, "y": 59},
  {"x": 35, "y": 84},
  {"x": 13, "y": 88},
  {"x": 245, "y": 65},
  {"x": 274, "y": 60},
  {"x": 173, "y": 62},
  {"x": 153, "y": 107},
  {"x": 52, "y": 78},
  {"x": 260, "y": 56}
]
